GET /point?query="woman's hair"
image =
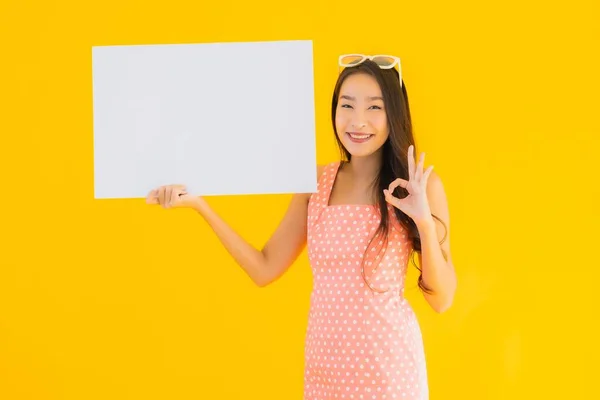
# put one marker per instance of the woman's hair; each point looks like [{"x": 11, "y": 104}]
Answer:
[{"x": 394, "y": 155}]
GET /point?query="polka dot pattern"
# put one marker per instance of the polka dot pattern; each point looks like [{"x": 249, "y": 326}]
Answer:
[{"x": 360, "y": 343}]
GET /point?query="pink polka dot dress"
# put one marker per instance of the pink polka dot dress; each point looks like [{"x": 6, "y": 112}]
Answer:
[{"x": 360, "y": 344}]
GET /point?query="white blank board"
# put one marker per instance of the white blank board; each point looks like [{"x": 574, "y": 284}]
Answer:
[{"x": 220, "y": 118}]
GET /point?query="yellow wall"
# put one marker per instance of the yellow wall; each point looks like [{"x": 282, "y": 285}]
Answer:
[{"x": 505, "y": 101}]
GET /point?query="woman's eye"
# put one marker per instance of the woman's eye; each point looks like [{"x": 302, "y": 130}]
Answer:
[{"x": 349, "y": 106}]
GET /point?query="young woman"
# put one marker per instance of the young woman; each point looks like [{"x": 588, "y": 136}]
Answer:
[{"x": 372, "y": 212}]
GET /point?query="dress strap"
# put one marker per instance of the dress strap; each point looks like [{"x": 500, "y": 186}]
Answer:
[
  {"x": 328, "y": 180},
  {"x": 320, "y": 199}
]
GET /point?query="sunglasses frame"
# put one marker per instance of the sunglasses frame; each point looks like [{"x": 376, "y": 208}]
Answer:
[{"x": 364, "y": 57}]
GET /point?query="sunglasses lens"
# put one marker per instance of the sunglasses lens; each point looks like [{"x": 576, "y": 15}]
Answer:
[
  {"x": 352, "y": 60},
  {"x": 384, "y": 61}
]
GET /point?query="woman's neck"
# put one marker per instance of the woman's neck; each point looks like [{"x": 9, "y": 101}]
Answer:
[{"x": 364, "y": 169}]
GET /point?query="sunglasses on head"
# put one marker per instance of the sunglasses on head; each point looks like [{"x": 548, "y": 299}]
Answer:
[{"x": 383, "y": 61}]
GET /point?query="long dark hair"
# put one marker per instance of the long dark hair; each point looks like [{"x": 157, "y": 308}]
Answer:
[{"x": 394, "y": 153}]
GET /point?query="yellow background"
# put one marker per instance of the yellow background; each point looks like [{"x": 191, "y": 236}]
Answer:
[{"x": 119, "y": 300}]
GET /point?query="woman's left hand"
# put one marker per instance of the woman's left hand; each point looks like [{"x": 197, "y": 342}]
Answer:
[{"x": 415, "y": 204}]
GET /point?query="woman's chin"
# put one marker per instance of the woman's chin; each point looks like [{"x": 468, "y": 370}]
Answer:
[{"x": 359, "y": 150}]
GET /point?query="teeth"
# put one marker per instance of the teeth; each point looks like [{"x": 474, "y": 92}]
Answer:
[{"x": 359, "y": 136}]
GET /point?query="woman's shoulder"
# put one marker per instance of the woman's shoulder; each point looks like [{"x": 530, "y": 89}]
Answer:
[
  {"x": 321, "y": 170},
  {"x": 322, "y": 167}
]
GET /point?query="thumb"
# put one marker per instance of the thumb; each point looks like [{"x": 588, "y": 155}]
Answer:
[
  {"x": 177, "y": 195},
  {"x": 152, "y": 197},
  {"x": 182, "y": 193}
]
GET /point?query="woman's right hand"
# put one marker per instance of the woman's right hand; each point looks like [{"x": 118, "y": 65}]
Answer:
[{"x": 173, "y": 196}]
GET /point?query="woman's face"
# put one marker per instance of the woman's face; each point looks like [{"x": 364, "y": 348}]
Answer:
[{"x": 360, "y": 120}]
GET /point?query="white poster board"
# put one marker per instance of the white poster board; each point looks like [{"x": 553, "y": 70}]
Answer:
[{"x": 221, "y": 118}]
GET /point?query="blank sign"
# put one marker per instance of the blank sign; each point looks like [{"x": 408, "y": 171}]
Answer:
[{"x": 220, "y": 118}]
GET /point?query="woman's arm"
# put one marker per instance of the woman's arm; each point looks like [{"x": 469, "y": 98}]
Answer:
[
  {"x": 287, "y": 242},
  {"x": 262, "y": 266},
  {"x": 435, "y": 259}
]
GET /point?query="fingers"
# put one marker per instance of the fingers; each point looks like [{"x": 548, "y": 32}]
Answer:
[
  {"x": 416, "y": 172},
  {"x": 403, "y": 183},
  {"x": 419, "y": 169},
  {"x": 427, "y": 174},
  {"x": 166, "y": 196},
  {"x": 411, "y": 162},
  {"x": 161, "y": 196},
  {"x": 389, "y": 192},
  {"x": 152, "y": 197},
  {"x": 176, "y": 194},
  {"x": 173, "y": 197},
  {"x": 396, "y": 202}
]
